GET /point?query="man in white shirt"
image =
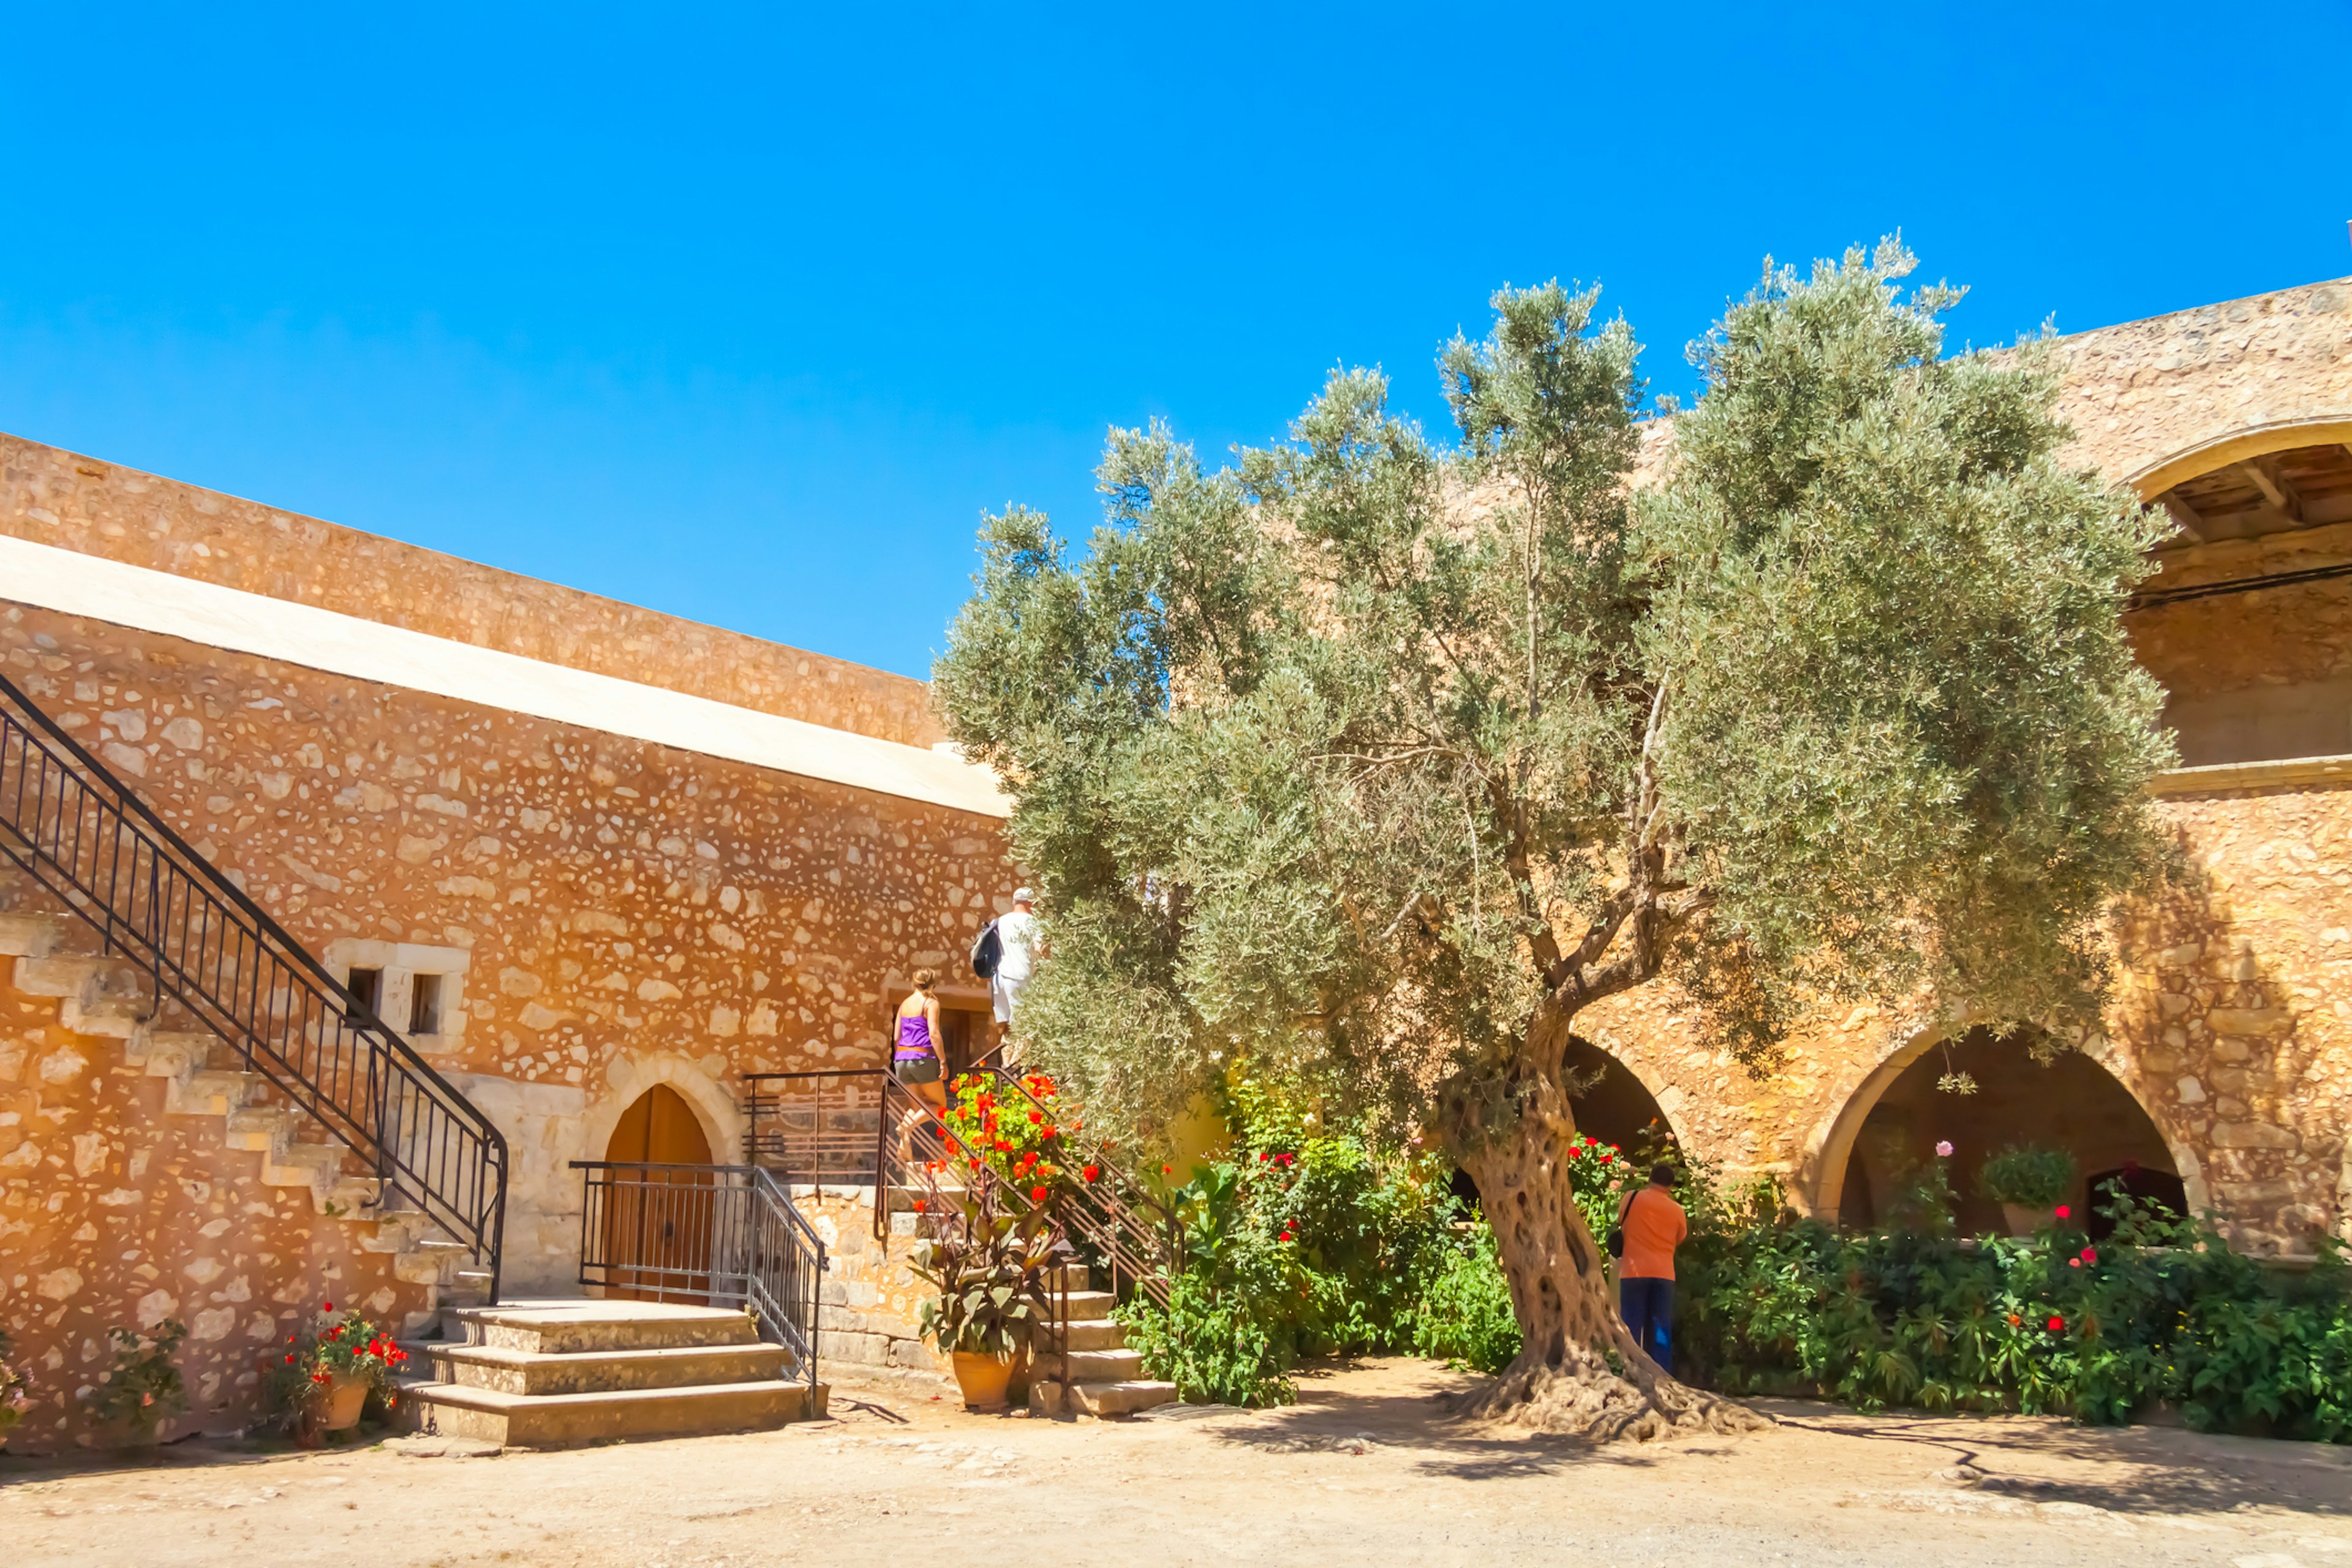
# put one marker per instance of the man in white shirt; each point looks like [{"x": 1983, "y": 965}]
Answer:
[{"x": 1018, "y": 959}]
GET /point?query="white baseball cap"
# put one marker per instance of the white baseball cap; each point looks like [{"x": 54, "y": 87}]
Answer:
[{"x": 1023, "y": 896}]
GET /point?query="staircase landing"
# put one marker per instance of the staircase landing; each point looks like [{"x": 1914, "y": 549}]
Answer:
[{"x": 557, "y": 1374}]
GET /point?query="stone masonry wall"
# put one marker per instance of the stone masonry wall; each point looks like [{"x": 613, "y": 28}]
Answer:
[
  {"x": 63, "y": 499},
  {"x": 870, "y": 1300},
  {"x": 627, "y": 914},
  {"x": 113, "y": 1213}
]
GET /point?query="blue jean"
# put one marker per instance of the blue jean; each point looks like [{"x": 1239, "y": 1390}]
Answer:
[{"x": 1649, "y": 1308}]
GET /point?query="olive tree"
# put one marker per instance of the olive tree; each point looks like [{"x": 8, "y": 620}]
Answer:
[{"x": 1374, "y": 762}]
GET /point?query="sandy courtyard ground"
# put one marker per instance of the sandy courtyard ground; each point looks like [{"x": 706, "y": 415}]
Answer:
[{"x": 1366, "y": 1468}]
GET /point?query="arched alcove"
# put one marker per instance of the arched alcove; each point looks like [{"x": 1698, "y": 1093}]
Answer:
[
  {"x": 2244, "y": 624},
  {"x": 1612, "y": 1104},
  {"x": 2070, "y": 1102}
]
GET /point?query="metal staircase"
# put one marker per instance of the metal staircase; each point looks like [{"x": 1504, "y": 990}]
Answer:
[{"x": 212, "y": 954}]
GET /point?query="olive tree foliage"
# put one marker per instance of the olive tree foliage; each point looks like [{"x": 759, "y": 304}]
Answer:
[{"x": 1372, "y": 761}]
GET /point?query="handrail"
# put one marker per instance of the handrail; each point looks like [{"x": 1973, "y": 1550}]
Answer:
[
  {"x": 68, "y": 822},
  {"x": 727, "y": 1234}
]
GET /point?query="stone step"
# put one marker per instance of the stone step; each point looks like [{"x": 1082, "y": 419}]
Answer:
[
  {"x": 30, "y": 936},
  {"x": 211, "y": 1093},
  {"x": 563, "y": 1420},
  {"x": 603, "y": 1372},
  {"x": 572, "y": 1328},
  {"x": 350, "y": 1197},
  {"x": 267, "y": 1128},
  {"x": 1098, "y": 1334},
  {"x": 1119, "y": 1366},
  {"x": 315, "y": 1165},
  {"x": 1086, "y": 1306},
  {"x": 169, "y": 1054},
  {"x": 1122, "y": 1398}
]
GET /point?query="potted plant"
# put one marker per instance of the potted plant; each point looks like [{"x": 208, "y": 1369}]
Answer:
[
  {"x": 988, "y": 1266},
  {"x": 2029, "y": 1182},
  {"x": 326, "y": 1374},
  {"x": 143, "y": 1390}
]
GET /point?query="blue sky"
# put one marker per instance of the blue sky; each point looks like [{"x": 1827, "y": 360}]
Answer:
[{"x": 750, "y": 314}]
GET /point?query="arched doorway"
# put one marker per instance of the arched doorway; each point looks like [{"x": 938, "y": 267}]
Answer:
[
  {"x": 2070, "y": 1102},
  {"x": 657, "y": 1210}
]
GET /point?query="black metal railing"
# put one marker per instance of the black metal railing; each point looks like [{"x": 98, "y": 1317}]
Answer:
[
  {"x": 861, "y": 1126},
  {"x": 79, "y": 832},
  {"x": 724, "y": 1235}
]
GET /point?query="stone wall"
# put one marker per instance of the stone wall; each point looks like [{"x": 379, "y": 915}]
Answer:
[
  {"x": 115, "y": 1215},
  {"x": 63, "y": 499},
  {"x": 869, "y": 1301},
  {"x": 624, "y": 914}
]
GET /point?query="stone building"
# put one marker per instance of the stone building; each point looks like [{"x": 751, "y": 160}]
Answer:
[{"x": 598, "y": 863}]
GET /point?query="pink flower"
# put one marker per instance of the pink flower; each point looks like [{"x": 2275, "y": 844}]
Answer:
[
  {"x": 2073, "y": 1263},
  {"x": 1943, "y": 1151}
]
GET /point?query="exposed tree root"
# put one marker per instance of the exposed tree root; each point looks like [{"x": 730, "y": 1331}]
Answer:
[{"x": 1583, "y": 1398}]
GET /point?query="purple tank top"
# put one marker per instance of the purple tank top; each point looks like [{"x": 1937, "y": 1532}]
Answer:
[{"x": 914, "y": 1038}]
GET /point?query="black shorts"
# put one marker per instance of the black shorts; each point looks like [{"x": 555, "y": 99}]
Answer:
[{"x": 920, "y": 1069}]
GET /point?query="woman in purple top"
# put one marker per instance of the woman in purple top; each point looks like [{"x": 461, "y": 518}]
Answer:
[{"x": 916, "y": 1058}]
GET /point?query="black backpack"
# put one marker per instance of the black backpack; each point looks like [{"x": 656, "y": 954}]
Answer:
[{"x": 987, "y": 951}]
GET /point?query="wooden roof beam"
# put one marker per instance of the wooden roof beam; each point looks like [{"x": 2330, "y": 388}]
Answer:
[
  {"x": 2264, "y": 475},
  {"x": 2184, "y": 517}
]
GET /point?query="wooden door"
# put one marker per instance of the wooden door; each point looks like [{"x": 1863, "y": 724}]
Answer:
[{"x": 658, "y": 1222}]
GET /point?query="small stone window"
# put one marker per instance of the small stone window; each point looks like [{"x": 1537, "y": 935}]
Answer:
[
  {"x": 424, "y": 1004},
  {"x": 366, "y": 986},
  {"x": 418, "y": 990}
]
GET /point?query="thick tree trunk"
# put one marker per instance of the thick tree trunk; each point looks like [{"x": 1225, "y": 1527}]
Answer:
[{"x": 1580, "y": 1371}]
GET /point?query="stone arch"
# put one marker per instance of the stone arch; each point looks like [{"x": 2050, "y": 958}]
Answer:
[
  {"x": 1830, "y": 1154},
  {"x": 631, "y": 1075},
  {"x": 1621, "y": 1103},
  {"x": 2236, "y": 446}
]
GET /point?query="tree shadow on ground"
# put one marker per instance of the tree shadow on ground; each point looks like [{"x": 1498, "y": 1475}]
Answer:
[{"x": 2036, "y": 1460}]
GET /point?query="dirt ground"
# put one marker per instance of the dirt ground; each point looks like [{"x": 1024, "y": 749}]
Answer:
[{"x": 1365, "y": 1468}]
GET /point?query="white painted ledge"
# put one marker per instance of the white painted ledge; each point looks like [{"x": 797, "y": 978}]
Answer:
[
  {"x": 145, "y": 600},
  {"x": 2219, "y": 778}
]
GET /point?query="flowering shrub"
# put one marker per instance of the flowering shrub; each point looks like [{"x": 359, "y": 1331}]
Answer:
[
  {"x": 1023, "y": 1143},
  {"x": 2162, "y": 1313},
  {"x": 13, "y": 1398},
  {"x": 2029, "y": 1177},
  {"x": 142, "y": 1389},
  {"x": 333, "y": 1349},
  {"x": 987, "y": 1270}
]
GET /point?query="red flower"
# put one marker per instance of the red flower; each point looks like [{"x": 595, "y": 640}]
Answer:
[
  {"x": 1286, "y": 1236},
  {"x": 2014, "y": 1319},
  {"x": 2073, "y": 1263},
  {"x": 2057, "y": 1325},
  {"x": 2062, "y": 1211},
  {"x": 1575, "y": 1151},
  {"x": 920, "y": 1205},
  {"x": 1167, "y": 1170},
  {"x": 2089, "y": 1254},
  {"x": 325, "y": 1306},
  {"x": 289, "y": 1361},
  {"x": 1036, "y": 1116},
  {"x": 318, "y": 1377},
  {"x": 1037, "y": 1194},
  {"x": 1049, "y": 1130},
  {"x": 1263, "y": 1156},
  {"x": 1093, "y": 1173},
  {"x": 1607, "y": 1155}
]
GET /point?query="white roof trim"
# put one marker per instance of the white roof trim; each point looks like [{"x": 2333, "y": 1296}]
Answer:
[{"x": 152, "y": 601}]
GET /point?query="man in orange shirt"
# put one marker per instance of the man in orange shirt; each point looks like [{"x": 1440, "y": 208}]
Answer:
[{"x": 1654, "y": 1226}]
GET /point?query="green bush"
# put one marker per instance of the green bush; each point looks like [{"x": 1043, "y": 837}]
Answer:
[
  {"x": 2161, "y": 1314},
  {"x": 1210, "y": 1346},
  {"x": 1465, "y": 1318},
  {"x": 2028, "y": 1176}
]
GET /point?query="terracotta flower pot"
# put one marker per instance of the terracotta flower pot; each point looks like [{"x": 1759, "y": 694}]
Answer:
[
  {"x": 346, "y": 1397},
  {"x": 984, "y": 1380},
  {"x": 2024, "y": 1221}
]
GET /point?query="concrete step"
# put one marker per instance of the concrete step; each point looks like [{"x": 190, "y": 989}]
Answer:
[
  {"x": 602, "y": 1372},
  {"x": 576, "y": 1327},
  {"x": 564, "y": 1420},
  {"x": 169, "y": 1055},
  {"x": 30, "y": 936},
  {"x": 350, "y": 1197}
]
